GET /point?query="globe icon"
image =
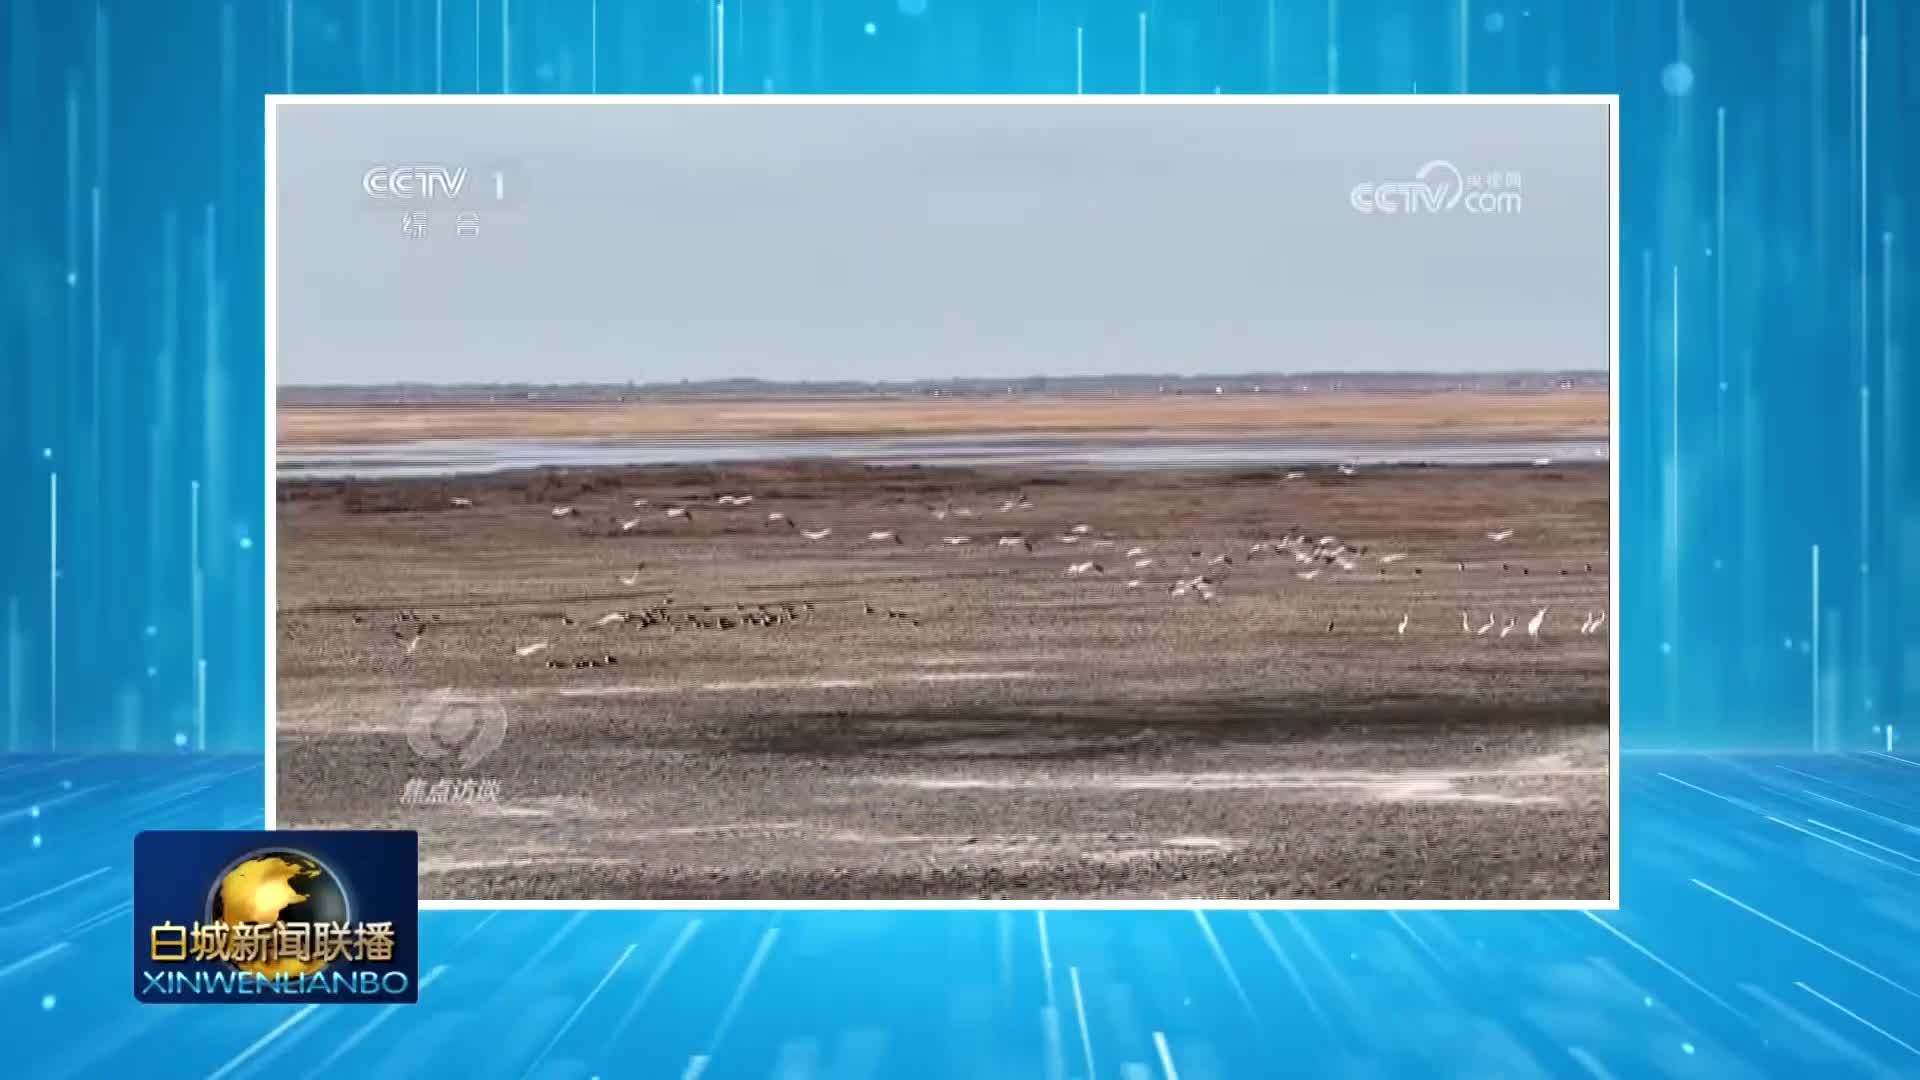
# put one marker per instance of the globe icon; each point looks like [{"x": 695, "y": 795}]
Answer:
[{"x": 278, "y": 886}]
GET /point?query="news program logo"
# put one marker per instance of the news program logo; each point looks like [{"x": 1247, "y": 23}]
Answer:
[{"x": 287, "y": 917}]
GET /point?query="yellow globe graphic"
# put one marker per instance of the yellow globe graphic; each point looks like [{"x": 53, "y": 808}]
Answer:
[{"x": 278, "y": 886}]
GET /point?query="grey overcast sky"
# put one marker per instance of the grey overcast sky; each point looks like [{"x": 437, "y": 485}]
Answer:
[{"x": 654, "y": 242}]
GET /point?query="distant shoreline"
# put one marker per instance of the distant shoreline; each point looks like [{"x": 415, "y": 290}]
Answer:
[
  {"x": 1561, "y": 414},
  {"x": 973, "y": 388}
]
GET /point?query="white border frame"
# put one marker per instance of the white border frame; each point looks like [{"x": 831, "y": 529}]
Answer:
[{"x": 1612, "y": 101}]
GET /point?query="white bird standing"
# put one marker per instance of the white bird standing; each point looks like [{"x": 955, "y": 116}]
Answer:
[
  {"x": 1142, "y": 564},
  {"x": 1346, "y": 470},
  {"x": 1586, "y": 624},
  {"x": 1497, "y": 537},
  {"x": 460, "y": 503},
  {"x": 679, "y": 512},
  {"x": 1084, "y": 568},
  {"x": 1488, "y": 625},
  {"x": 956, "y": 541},
  {"x": 1465, "y": 628},
  {"x": 776, "y": 515},
  {"x": 1506, "y": 627},
  {"x": 1405, "y": 617},
  {"x": 1134, "y": 583},
  {"x": 525, "y": 651},
  {"x": 1135, "y": 552},
  {"x": 1081, "y": 529},
  {"x": 1295, "y": 475},
  {"x": 629, "y": 525},
  {"x": 562, "y": 511},
  {"x": 1307, "y": 575},
  {"x": 1598, "y": 622},
  {"x": 1393, "y": 558},
  {"x": 884, "y": 536},
  {"x": 1533, "y": 625},
  {"x": 611, "y": 617},
  {"x": 816, "y": 534}
]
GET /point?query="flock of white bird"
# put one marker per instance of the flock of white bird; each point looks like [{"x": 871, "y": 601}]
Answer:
[{"x": 1313, "y": 556}]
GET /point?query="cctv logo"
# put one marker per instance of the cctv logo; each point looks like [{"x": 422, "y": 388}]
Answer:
[
  {"x": 1438, "y": 188},
  {"x": 413, "y": 182}
]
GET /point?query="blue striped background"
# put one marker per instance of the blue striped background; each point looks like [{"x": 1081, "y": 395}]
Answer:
[{"x": 1768, "y": 176}]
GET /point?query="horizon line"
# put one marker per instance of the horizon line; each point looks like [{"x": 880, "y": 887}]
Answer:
[{"x": 934, "y": 380}]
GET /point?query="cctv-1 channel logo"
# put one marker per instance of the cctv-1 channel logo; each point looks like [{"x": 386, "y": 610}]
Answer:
[{"x": 413, "y": 182}]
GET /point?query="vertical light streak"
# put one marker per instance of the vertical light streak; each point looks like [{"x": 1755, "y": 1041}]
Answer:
[
  {"x": 1080, "y": 1001},
  {"x": 1720, "y": 275},
  {"x": 53, "y": 611},
  {"x": 93, "y": 322},
  {"x": 1046, "y": 955},
  {"x": 102, "y": 126},
  {"x": 286, "y": 47},
  {"x": 1867, "y": 547},
  {"x": 162, "y": 422},
  {"x": 1466, "y": 20},
  {"x": 14, "y": 675},
  {"x": 213, "y": 452},
  {"x": 1674, "y": 531},
  {"x": 1892, "y": 451},
  {"x": 197, "y": 578},
  {"x": 1814, "y": 639},
  {"x": 1333, "y": 47},
  {"x": 1143, "y": 52},
  {"x": 73, "y": 224},
  {"x": 1166, "y": 1056},
  {"x": 720, "y": 46},
  {"x": 1079, "y": 60}
]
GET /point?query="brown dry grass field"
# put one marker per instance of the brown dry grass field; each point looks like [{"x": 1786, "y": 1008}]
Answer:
[
  {"x": 1519, "y": 415},
  {"x": 728, "y": 705}
]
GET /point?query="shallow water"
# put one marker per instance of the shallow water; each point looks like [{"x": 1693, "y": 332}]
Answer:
[{"x": 438, "y": 457}]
